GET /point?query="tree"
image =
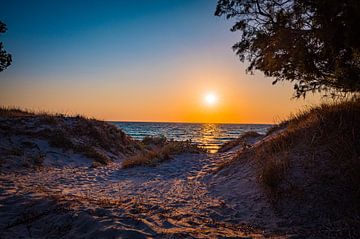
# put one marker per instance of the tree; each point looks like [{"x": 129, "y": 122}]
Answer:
[
  {"x": 5, "y": 58},
  {"x": 313, "y": 43}
]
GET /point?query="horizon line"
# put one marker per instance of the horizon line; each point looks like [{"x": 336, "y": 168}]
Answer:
[{"x": 182, "y": 122}]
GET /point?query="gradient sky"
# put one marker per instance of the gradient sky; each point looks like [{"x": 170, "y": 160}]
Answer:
[{"x": 133, "y": 61}]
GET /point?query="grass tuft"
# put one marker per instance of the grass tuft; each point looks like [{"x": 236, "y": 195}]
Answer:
[
  {"x": 93, "y": 138},
  {"x": 154, "y": 140},
  {"x": 273, "y": 172},
  {"x": 323, "y": 143},
  {"x": 242, "y": 140},
  {"x": 156, "y": 155}
]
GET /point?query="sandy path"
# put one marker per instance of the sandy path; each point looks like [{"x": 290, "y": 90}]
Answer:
[{"x": 178, "y": 199}]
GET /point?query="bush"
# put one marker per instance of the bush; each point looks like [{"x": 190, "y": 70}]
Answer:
[
  {"x": 90, "y": 137},
  {"x": 154, "y": 140},
  {"x": 321, "y": 142},
  {"x": 242, "y": 140},
  {"x": 273, "y": 171},
  {"x": 155, "y": 156}
]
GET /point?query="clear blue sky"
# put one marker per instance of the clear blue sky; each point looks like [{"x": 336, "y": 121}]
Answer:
[
  {"x": 113, "y": 59},
  {"x": 66, "y": 36}
]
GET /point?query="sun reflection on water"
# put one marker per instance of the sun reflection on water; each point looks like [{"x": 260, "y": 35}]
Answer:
[{"x": 207, "y": 135}]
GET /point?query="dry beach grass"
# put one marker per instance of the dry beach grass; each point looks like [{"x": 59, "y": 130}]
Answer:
[
  {"x": 301, "y": 179},
  {"x": 309, "y": 167},
  {"x": 95, "y": 139},
  {"x": 159, "y": 149}
]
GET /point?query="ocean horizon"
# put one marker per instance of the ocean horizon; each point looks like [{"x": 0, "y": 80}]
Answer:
[{"x": 208, "y": 135}]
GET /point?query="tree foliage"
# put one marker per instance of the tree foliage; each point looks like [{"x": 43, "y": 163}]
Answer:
[
  {"x": 5, "y": 58},
  {"x": 314, "y": 43}
]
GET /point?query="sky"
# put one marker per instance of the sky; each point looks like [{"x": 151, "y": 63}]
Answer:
[{"x": 135, "y": 60}]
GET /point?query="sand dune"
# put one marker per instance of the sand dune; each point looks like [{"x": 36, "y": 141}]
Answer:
[
  {"x": 61, "y": 190},
  {"x": 171, "y": 200},
  {"x": 54, "y": 190}
]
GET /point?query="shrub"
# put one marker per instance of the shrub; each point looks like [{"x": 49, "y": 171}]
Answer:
[
  {"x": 273, "y": 171},
  {"x": 60, "y": 140},
  {"x": 94, "y": 154},
  {"x": 326, "y": 138},
  {"x": 89, "y": 137},
  {"x": 154, "y": 140},
  {"x": 13, "y": 112},
  {"x": 155, "y": 156},
  {"x": 242, "y": 140}
]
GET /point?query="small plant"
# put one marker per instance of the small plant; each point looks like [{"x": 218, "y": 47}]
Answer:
[
  {"x": 242, "y": 140},
  {"x": 154, "y": 140},
  {"x": 149, "y": 158},
  {"x": 93, "y": 153},
  {"x": 60, "y": 140},
  {"x": 38, "y": 159},
  {"x": 93, "y": 138},
  {"x": 48, "y": 119},
  {"x": 155, "y": 156},
  {"x": 13, "y": 112},
  {"x": 273, "y": 172},
  {"x": 276, "y": 127}
]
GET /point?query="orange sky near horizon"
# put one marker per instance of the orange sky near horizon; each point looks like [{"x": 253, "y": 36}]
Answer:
[{"x": 242, "y": 98}]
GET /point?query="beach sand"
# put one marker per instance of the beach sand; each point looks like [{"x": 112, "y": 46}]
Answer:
[
  {"x": 171, "y": 200},
  {"x": 64, "y": 177},
  {"x": 180, "y": 198}
]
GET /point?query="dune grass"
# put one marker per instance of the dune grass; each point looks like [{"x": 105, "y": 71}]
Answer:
[
  {"x": 309, "y": 167},
  {"x": 159, "y": 149},
  {"x": 6, "y": 111},
  {"x": 316, "y": 147},
  {"x": 322, "y": 142},
  {"x": 154, "y": 140},
  {"x": 93, "y": 138},
  {"x": 241, "y": 140}
]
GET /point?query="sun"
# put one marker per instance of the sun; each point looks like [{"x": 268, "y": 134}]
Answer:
[{"x": 210, "y": 99}]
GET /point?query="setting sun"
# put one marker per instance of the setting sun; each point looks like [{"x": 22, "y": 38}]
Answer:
[
  {"x": 159, "y": 119},
  {"x": 210, "y": 99}
]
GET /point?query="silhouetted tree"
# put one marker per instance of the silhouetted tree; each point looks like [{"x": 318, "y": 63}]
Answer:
[
  {"x": 5, "y": 58},
  {"x": 315, "y": 43}
]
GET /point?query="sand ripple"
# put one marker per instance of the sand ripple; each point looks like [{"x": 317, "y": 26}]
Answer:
[{"x": 178, "y": 199}]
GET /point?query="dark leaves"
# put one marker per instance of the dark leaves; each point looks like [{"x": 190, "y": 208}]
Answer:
[
  {"x": 314, "y": 43},
  {"x": 5, "y": 58}
]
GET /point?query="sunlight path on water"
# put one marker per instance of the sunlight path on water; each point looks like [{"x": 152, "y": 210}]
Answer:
[{"x": 210, "y": 136}]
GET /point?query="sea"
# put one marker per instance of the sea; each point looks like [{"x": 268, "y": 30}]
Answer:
[{"x": 209, "y": 136}]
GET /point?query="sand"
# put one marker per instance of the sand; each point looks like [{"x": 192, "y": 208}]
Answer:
[
  {"x": 50, "y": 192},
  {"x": 181, "y": 198}
]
